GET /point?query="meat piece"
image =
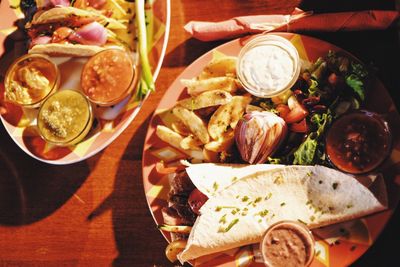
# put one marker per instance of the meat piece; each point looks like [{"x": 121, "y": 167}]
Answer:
[{"x": 181, "y": 183}]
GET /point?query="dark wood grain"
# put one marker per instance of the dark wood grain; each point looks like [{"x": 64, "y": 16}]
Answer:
[{"x": 95, "y": 212}]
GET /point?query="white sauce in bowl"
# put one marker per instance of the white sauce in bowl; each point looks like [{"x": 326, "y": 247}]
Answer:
[{"x": 268, "y": 65}]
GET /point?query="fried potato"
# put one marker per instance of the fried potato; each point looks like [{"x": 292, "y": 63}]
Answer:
[
  {"x": 169, "y": 136},
  {"x": 222, "y": 144},
  {"x": 224, "y": 66},
  {"x": 191, "y": 142},
  {"x": 196, "y": 87},
  {"x": 174, "y": 248},
  {"x": 227, "y": 116},
  {"x": 206, "y": 99},
  {"x": 179, "y": 127},
  {"x": 193, "y": 122},
  {"x": 210, "y": 156}
]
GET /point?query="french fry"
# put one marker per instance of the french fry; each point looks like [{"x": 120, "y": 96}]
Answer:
[
  {"x": 191, "y": 142},
  {"x": 227, "y": 116},
  {"x": 196, "y": 87},
  {"x": 222, "y": 144},
  {"x": 210, "y": 156},
  {"x": 224, "y": 66},
  {"x": 179, "y": 127},
  {"x": 169, "y": 136},
  {"x": 206, "y": 99},
  {"x": 193, "y": 122}
]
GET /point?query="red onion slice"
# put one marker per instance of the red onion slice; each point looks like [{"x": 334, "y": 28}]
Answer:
[
  {"x": 91, "y": 34},
  {"x": 40, "y": 40}
]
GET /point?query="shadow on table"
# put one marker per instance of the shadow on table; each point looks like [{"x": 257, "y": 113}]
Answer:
[
  {"x": 135, "y": 232},
  {"x": 31, "y": 190}
]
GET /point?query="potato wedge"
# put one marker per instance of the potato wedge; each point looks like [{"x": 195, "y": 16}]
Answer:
[
  {"x": 174, "y": 248},
  {"x": 224, "y": 66},
  {"x": 222, "y": 144},
  {"x": 193, "y": 122},
  {"x": 169, "y": 136},
  {"x": 191, "y": 142},
  {"x": 206, "y": 99},
  {"x": 210, "y": 156},
  {"x": 196, "y": 87},
  {"x": 227, "y": 116},
  {"x": 179, "y": 127},
  {"x": 182, "y": 229}
]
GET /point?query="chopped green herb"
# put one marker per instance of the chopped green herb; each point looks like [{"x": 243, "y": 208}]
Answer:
[
  {"x": 234, "y": 211},
  {"x": 234, "y": 179},
  {"x": 309, "y": 202},
  {"x": 259, "y": 221},
  {"x": 283, "y": 204},
  {"x": 245, "y": 209},
  {"x": 317, "y": 253},
  {"x": 268, "y": 196},
  {"x": 257, "y": 200},
  {"x": 245, "y": 198},
  {"x": 278, "y": 180},
  {"x": 223, "y": 219},
  {"x": 244, "y": 213},
  {"x": 349, "y": 206},
  {"x": 312, "y": 218},
  {"x": 263, "y": 213},
  {"x": 309, "y": 174},
  {"x": 229, "y": 227},
  {"x": 215, "y": 186},
  {"x": 219, "y": 208}
]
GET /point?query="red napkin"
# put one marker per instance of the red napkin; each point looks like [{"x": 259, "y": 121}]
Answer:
[{"x": 298, "y": 21}]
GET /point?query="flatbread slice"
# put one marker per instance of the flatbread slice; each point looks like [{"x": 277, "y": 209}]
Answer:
[{"x": 314, "y": 195}]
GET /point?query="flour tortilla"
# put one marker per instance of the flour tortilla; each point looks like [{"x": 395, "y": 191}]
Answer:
[
  {"x": 211, "y": 178},
  {"x": 58, "y": 14},
  {"x": 315, "y": 195}
]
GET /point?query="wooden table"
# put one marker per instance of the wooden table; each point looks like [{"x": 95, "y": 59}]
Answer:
[{"x": 95, "y": 212}]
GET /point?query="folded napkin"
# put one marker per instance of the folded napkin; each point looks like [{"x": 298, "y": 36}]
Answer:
[{"x": 298, "y": 21}]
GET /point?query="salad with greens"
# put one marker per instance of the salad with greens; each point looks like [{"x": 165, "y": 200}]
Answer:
[{"x": 331, "y": 86}]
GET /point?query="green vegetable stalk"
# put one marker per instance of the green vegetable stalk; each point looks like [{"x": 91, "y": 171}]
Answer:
[{"x": 146, "y": 82}]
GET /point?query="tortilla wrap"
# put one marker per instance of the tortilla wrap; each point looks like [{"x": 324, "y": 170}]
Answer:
[
  {"x": 314, "y": 195},
  {"x": 73, "y": 50},
  {"x": 60, "y": 13},
  {"x": 223, "y": 175}
]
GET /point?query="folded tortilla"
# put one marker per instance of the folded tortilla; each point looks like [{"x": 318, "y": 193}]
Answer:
[
  {"x": 314, "y": 195},
  {"x": 62, "y": 14},
  {"x": 211, "y": 178}
]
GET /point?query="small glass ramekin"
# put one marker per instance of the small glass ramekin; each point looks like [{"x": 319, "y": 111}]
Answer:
[
  {"x": 40, "y": 62},
  {"x": 103, "y": 68},
  {"x": 268, "y": 40},
  {"x": 71, "y": 101},
  {"x": 302, "y": 231}
]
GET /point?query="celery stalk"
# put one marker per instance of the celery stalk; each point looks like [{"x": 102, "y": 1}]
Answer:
[{"x": 146, "y": 82}]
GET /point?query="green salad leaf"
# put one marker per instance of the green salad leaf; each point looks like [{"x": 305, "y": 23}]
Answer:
[{"x": 354, "y": 82}]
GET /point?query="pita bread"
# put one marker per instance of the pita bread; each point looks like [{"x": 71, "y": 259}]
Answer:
[{"x": 314, "y": 195}]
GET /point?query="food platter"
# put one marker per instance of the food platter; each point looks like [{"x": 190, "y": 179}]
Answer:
[
  {"x": 334, "y": 250},
  {"x": 109, "y": 122}
]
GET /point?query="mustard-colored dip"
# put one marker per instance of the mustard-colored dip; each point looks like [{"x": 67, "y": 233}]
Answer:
[
  {"x": 65, "y": 118},
  {"x": 30, "y": 79}
]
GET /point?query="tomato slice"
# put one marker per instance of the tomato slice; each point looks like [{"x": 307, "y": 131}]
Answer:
[
  {"x": 283, "y": 110},
  {"x": 196, "y": 200},
  {"x": 299, "y": 127},
  {"x": 297, "y": 111}
]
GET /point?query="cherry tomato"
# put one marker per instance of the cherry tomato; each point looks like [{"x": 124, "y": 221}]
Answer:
[
  {"x": 283, "y": 111},
  {"x": 299, "y": 127},
  {"x": 297, "y": 111},
  {"x": 196, "y": 200}
]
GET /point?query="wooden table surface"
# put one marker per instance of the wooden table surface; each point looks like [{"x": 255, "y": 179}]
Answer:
[{"x": 95, "y": 212}]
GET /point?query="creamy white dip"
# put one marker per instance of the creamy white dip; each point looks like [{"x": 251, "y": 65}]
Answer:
[{"x": 268, "y": 67}]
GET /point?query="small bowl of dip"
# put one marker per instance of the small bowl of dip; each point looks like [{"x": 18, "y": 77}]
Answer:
[
  {"x": 287, "y": 243},
  {"x": 108, "y": 77},
  {"x": 30, "y": 80},
  {"x": 268, "y": 65},
  {"x": 358, "y": 142},
  {"x": 65, "y": 118}
]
